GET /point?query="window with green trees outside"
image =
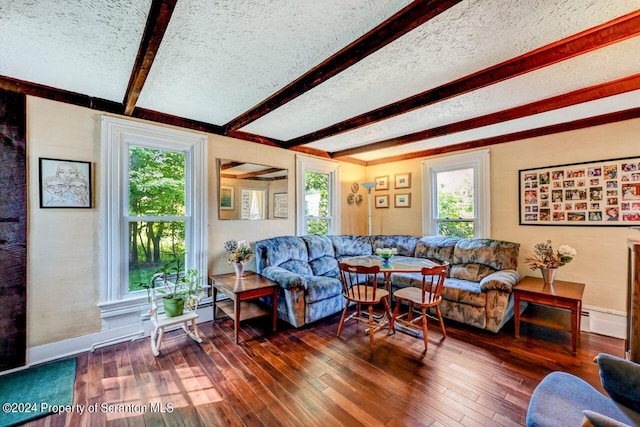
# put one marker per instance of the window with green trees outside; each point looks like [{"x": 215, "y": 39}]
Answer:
[
  {"x": 455, "y": 203},
  {"x": 156, "y": 210},
  {"x": 316, "y": 203}
]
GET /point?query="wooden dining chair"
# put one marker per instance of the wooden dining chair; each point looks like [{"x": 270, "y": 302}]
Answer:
[
  {"x": 420, "y": 300},
  {"x": 360, "y": 287}
]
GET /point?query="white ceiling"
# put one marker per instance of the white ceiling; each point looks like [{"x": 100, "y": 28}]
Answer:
[{"x": 220, "y": 58}]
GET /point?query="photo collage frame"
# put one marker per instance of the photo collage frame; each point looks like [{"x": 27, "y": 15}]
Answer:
[{"x": 604, "y": 193}]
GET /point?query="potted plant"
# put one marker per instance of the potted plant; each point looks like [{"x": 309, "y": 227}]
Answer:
[{"x": 177, "y": 286}]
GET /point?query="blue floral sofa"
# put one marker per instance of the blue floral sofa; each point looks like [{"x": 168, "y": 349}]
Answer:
[{"x": 477, "y": 291}]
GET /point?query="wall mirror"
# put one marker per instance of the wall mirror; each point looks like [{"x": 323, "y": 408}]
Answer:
[{"x": 250, "y": 191}]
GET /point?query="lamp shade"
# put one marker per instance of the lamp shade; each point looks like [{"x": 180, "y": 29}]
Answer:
[{"x": 369, "y": 185}]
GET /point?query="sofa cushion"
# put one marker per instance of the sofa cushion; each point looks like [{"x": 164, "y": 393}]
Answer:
[
  {"x": 436, "y": 248},
  {"x": 322, "y": 257},
  {"x": 464, "y": 291},
  {"x": 321, "y": 287},
  {"x": 288, "y": 252},
  {"x": 472, "y": 271},
  {"x": 456, "y": 290},
  {"x": 346, "y": 246},
  {"x": 406, "y": 245},
  {"x": 497, "y": 254}
]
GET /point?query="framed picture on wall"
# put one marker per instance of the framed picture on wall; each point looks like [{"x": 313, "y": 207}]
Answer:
[
  {"x": 402, "y": 200},
  {"x": 403, "y": 180},
  {"x": 382, "y": 183},
  {"x": 65, "y": 183},
  {"x": 227, "y": 195},
  {"x": 598, "y": 193},
  {"x": 382, "y": 201},
  {"x": 280, "y": 205}
]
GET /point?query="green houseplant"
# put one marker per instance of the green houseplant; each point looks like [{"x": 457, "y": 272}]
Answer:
[{"x": 177, "y": 286}]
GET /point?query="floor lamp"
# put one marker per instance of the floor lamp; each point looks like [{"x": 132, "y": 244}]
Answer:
[{"x": 369, "y": 186}]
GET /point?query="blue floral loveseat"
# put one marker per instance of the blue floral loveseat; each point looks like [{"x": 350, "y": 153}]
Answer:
[{"x": 477, "y": 291}]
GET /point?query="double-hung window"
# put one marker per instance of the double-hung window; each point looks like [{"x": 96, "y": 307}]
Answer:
[
  {"x": 154, "y": 206},
  {"x": 457, "y": 199},
  {"x": 317, "y": 196}
]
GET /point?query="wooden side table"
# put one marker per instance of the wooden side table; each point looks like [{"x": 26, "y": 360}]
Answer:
[
  {"x": 553, "y": 305},
  {"x": 241, "y": 292}
]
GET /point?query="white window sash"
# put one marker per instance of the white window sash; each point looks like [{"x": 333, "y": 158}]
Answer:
[
  {"x": 117, "y": 135},
  {"x": 479, "y": 161},
  {"x": 306, "y": 164}
]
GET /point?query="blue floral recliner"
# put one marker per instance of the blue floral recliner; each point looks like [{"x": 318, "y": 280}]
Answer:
[{"x": 562, "y": 399}]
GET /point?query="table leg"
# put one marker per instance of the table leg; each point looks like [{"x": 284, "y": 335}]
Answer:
[
  {"x": 215, "y": 303},
  {"x": 236, "y": 321},
  {"x": 575, "y": 321},
  {"x": 274, "y": 301},
  {"x": 516, "y": 314}
]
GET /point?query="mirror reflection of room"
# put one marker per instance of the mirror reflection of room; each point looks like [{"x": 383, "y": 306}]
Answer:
[{"x": 250, "y": 191}]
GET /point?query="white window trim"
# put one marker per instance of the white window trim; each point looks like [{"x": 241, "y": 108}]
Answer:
[
  {"x": 116, "y": 136},
  {"x": 480, "y": 162},
  {"x": 306, "y": 164}
]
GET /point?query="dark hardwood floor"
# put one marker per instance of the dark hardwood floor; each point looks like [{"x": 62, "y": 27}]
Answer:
[{"x": 309, "y": 377}]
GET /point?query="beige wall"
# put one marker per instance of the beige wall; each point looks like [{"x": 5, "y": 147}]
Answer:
[
  {"x": 64, "y": 244},
  {"x": 63, "y": 252},
  {"x": 394, "y": 220},
  {"x": 601, "y": 262},
  {"x": 353, "y": 218}
]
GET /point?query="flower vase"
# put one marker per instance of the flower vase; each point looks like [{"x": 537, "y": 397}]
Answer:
[
  {"x": 239, "y": 269},
  {"x": 548, "y": 275}
]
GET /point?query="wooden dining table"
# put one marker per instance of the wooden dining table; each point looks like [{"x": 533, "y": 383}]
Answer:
[{"x": 397, "y": 264}]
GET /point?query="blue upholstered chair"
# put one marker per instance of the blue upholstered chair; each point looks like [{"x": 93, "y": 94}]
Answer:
[{"x": 562, "y": 399}]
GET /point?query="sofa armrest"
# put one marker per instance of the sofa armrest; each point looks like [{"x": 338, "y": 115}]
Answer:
[
  {"x": 285, "y": 278},
  {"x": 503, "y": 280},
  {"x": 620, "y": 379}
]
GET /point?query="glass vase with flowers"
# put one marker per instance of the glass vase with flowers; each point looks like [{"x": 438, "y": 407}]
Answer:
[
  {"x": 548, "y": 260},
  {"x": 239, "y": 253}
]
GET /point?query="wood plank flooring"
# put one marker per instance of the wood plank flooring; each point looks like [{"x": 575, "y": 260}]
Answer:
[{"x": 310, "y": 377}]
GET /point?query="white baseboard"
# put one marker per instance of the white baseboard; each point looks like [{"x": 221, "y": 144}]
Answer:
[
  {"x": 594, "y": 319},
  {"x": 604, "y": 322},
  {"x": 72, "y": 346}
]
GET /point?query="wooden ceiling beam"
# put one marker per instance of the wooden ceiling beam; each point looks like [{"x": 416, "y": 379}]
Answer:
[
  {"x": 245, "y": 136},
  {"x": 157, "y": 23},
  {"x": 412, "y": 16},
  {"x": 603, "y": 119},
  {"x": 48, "y": 92},
  {"x": 595, "y": 38},
  {"x": 172, "y": 120},
  {"x": 603, "y": 90},
  {"x": 259, "y": 174},
  {"x": 230, "y": 165}
]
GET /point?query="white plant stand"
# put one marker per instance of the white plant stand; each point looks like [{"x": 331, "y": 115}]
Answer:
[{"x": 161, "y": 322}]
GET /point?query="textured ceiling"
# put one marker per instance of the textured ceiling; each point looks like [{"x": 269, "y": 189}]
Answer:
[{"x": 363, "y": 80}]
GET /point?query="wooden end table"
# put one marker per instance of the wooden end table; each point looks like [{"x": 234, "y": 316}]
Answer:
[
  {"x": 553, "y": 305},
  {"x": 241, "y": 292}
]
